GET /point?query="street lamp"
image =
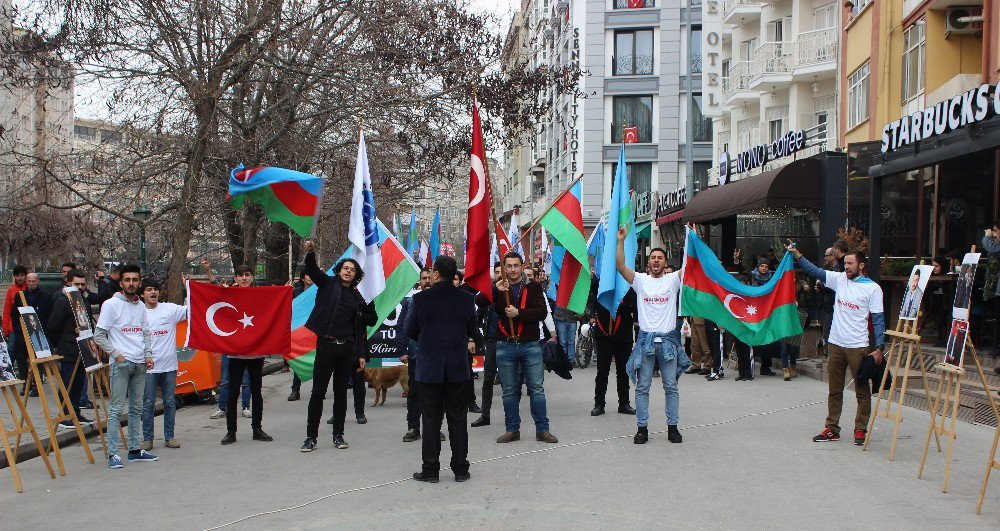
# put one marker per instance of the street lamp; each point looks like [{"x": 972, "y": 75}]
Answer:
[{"x": 142, "y": 213}]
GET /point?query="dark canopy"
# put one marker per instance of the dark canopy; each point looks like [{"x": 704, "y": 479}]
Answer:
[{"x": 797, "y": 184}]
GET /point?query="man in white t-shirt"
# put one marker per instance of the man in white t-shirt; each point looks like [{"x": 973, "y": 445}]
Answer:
[
  {"x": 659, "y": 338},
  {"x": 163, "y": 318},
  {"x": 123, "y": 332},
  {"x": 856, "y": 297}
]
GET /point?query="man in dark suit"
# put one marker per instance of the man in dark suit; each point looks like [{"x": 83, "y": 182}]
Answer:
[{"x": 442, "y": 320}]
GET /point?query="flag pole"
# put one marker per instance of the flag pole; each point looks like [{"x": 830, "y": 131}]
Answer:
[{"x": 546, "y": 211}]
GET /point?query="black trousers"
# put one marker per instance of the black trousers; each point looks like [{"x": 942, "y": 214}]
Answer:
[
  {"x": 255, "y": 366},
  {"x": 19, "y": 355},
  {"x": 606, "y": 349},
  {"x": 450, "y": 400},
  {"x": 714, "y": 337},
  {"x": 489, "y": 376},
  {"x": 66, "y": 366},
  {"x": 360, "y": 388},
  {"x": 335, "y": 362},
  {"x": 743, "y": 359},
  {"x": 413, "y": 397}
]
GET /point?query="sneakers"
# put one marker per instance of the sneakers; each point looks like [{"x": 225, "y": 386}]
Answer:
[
  {"x": 546, "y": 437},
  {"x": 146, "y": 445},
  {"x": 597, "y": 411},
  {"x": 218, "y": 414},
  {"x": 259, "y": 435},
  {"x": 247, "y": 413},
  {"x": 84, "y": 421},
  {"x": 411, "y": 435},
  {"x": 339, "y": 442},
  {"x": 172, "y": 443},
  {"x": 425, "y": 477},
  {"x": 142, "y": 457},
  {"x": 641, "y": 436},
  {"x": 115, "y": 461},
  {"x": 656, "y": 374},
  {"x": 309, "y": 445},
  {"x": 67, "y": 425},
  {"x": 714, "y": 376},
  {"x": 361, "y": 419},
  {"x": 674, "y": 435},
  {"x": 859, "y": 438},
  {"x": 626, "y": 409},
  {"x": 827, "y": 436},
  {"x": 508, "y": 437}
]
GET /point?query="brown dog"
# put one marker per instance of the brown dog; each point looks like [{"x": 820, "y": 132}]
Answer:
[{"x": 385, "y": 377}]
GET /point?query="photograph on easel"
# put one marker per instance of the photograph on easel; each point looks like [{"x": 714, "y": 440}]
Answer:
[
  {"x": 915, "y": 287},
  {"x": 79, "y": 312},
  {"x": 6, "y": 365},
  {"x": 35, "y": 332},
  {"x": 88, "y": 354},
  {"x": 953, "y": 354},
  {"x": 966, "y": 275}
]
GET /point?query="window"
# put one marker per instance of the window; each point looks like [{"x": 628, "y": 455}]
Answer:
[
  {"x": 111, "y": 137},
  {"x": 746, "y": 49},
  {"x": 823, "y": 16},
  {"x": 639, "y": 174},
  {"x": 694, "y": 58},
  {"x": 632, "y": 4},
  {"x": 775, "y": 30},
  {"x": 700, "y": 172},
  {"x": 84, "y": 132},
  {"x": 632, "y": 111},
  {"x": 633, "y": 53},
  {"x": 858, "y": 6},
  {"x": 857, "y": 96},
  {"x": 775, "y": 128},
  {"x": 914, "y": 57},
  {"x": 701, "y": 127}
]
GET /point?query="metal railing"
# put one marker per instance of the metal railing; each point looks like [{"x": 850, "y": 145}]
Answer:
[
  {"x": 774, "y": 58},
  {"x": 739, "y": 77},
  {"x": 633, "y": 4},
  {"x": 817, "y": 46},
  {"x": 730, "y": 5}
]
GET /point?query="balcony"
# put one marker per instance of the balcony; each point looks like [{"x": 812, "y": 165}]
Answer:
[
  {"x": 737, "y": 11},
  {"x": 816, "y": 52},
  {"x": 773, "y": 63},
  {"x": 736, "y": 87}
]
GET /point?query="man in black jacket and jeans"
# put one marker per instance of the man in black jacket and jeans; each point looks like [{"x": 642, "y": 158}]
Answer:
[
  {"x": 62, "y": 332},
  {"x": 613, "y": 338},
  {"x": 339, "y": 320}
]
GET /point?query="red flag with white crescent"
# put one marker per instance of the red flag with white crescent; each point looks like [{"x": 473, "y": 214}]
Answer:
[
  {"x": 239, "y": 321},
  {"x": 503, "y": 241},
  {"x": 478, "y": 270}
]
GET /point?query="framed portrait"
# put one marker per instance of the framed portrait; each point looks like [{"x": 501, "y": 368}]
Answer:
[
  {"x": 914, "y": 291},
  {"x": 6, "y": 365},
  {"x": 88, "y": 354},
  {"x": 34, "y": 332},
  {"x": 966, "y": 275},
  {"x": 955, "y": 351},
  {"x": 78, "y": 306}
]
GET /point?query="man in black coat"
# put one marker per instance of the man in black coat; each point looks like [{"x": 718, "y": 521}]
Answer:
[
  {"x": 62, "y": 332},
  {"x": 443, "y": 321}
]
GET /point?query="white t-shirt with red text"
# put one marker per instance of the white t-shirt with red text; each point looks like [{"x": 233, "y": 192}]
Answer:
[
  {"x": 163, "y": 321},
  {"x": 125, "y": 320},
  {"x": 657, "y": 301},
  {"x": 855, "y": 300}
]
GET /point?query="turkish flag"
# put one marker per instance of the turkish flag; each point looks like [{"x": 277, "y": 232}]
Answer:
[
  {"x": 503, "y": 241},
  {"x": 478, "y": 269},
  {"x": 636, "y": 3},
  {"x": 239, "y": 321},
  {"x": 630, "y": 135}
]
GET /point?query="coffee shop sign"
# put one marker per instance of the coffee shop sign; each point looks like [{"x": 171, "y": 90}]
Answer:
[
  {"x": 755, "y": 157},
  {"x": 970, "y": 107}
]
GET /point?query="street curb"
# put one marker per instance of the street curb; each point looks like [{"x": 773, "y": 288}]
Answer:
[{"x": 27, "y": 450}]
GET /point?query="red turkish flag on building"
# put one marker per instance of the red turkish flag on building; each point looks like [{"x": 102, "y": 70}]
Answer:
[
  {"x": 239, "y": 321},
  {"x": 636, "y": 3},
  {"x": 630, "y": 135},
  {"x": 478, "y": 270}
]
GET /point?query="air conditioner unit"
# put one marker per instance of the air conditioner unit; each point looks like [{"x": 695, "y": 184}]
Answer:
[{"x": 964, "y": 20}]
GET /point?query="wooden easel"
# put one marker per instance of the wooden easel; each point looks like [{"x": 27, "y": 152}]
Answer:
[
  {"x": 950, "y": 391},
  {"x": 992, "y": 463},
  {"x": 904, "y": 336},
  {"x": 20, "y": 416}
]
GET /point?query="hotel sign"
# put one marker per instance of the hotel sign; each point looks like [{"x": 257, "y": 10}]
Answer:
[{"x": 970, "y": 107}]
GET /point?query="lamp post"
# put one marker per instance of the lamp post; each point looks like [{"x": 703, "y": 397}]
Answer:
[{"x": 142, "y": 213}]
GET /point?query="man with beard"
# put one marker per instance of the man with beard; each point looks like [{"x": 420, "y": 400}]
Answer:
[
  {"x": 659, "y": 339},
  {"x": 163, "y": 318},
  {"x": 62, "y": 332},
  {"x": 123, "y": 332},
  {"x": 857, "y": 297}
]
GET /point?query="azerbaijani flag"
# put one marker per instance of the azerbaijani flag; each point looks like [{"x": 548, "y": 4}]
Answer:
[
  {"x": 287, "y": 196},
  {"x": 435, "y": 242},
  {"x": 400, "y": 272},
  {"x": 564, "y": 221},
  {"x": 756, "y": 315}
]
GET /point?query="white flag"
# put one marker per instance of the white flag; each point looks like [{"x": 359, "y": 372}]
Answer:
[
  {"x": 363, "y": 230},
  {"x": 423, "y": 253}
]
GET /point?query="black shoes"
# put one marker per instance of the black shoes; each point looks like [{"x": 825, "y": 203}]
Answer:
[
  {"x": 441, "y": 435},
  {"x": 674, "y": 435},
  {"x": 329, "y": 420},
  {"x": 230, "y": 438},
  {"x": 259, "y": 435},
  {"x": 597, "y": 411},
  {"x": 626, "y": 409},
  {"x": 427, "y": 478},
  {"x": 462, "y": 476},
  {"x": 641, "y": 436},
  {"x": 361, "y": 419},
  {"x": 714, "y": 376},
  {"x": 411, "y": 435},
  {"x": 474, "y": 408},
  {"x": 744, "y": 378},
  {"x": 692, "y": 370},
  {"x": 766, "y": 372},
  {"x": 339, "y": 442},
  {"x": 294, "y": 396},
  {"x": 483, "y": 420},
  {"x": 656, "y": 374},
  {"x": 704, "y": 372},
  {"x": 309, "y": 445}
]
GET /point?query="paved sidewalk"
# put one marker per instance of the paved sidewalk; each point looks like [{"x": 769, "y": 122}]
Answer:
[{"x": 747, "y": 461}]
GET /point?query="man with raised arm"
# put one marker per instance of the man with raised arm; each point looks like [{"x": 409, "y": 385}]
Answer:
[{"x": 856, "y": 297}]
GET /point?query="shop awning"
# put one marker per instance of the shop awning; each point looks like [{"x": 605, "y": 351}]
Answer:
[
  {"x": 643, "y": 230},
  {"x": 797, "y": 184},
  {"x": 671, "y": 217}
]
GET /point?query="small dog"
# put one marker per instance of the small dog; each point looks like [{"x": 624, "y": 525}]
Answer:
[{"x": 384, "y": 378}]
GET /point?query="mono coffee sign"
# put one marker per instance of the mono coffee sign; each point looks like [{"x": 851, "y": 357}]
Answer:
[
  {"x": 757, "y": 156},
  {"x": 970, "y": 107}
]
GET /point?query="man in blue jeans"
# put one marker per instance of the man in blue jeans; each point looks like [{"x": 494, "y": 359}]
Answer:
[
  {"x": 520, "y": 305},
  {"x": 566, "y": 322},
  {"x": 123, "y": 332},
  {"x": 163, "y": 318},
  {"x": 659, "y": 338}
]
